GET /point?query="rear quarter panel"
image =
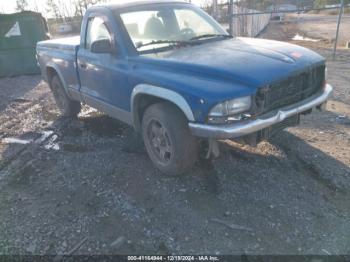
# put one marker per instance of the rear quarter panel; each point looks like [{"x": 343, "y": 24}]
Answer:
[{"x": 61, "y": 57}]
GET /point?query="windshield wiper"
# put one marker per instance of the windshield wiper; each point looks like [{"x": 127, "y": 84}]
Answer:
[
  {"x": 156, "y": 42},
  {"x": 210, "y": 35}
]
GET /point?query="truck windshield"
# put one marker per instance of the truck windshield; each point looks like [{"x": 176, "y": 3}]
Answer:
[{"x": 170, "y": 25}]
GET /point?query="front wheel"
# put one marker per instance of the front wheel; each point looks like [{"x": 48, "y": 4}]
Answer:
[{"x": 168, "y": 140}]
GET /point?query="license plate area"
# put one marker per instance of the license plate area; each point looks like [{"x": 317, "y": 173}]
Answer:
[
  {"x": 274, "y": 129},
  {"x": 264, "y": 134}
]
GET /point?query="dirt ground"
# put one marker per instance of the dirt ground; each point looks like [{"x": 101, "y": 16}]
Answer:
[
  {"x": 322, "y": 26},
  {"x": 83, "y": 187}
]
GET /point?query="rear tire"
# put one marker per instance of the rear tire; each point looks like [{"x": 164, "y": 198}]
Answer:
[
  {"x": 168, "y": 140},
  {"x": 67, "y": 106}
]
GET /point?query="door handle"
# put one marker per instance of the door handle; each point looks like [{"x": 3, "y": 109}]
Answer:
[{"x": 83, "y": 65}]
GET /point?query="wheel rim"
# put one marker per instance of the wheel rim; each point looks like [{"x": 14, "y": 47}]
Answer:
[{"x": 159, "y": 141}]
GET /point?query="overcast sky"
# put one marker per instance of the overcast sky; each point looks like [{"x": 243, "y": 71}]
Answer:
[{"x": 8, "y": 6}]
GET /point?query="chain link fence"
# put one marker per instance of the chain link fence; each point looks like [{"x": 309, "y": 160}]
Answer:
[{"x": 251, "y": 22}]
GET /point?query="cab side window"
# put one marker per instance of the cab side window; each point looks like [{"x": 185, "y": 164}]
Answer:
[{"x": 96, "y": 30}]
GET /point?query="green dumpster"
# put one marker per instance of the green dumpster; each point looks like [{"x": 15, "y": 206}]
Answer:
[{"x": 19, "y": 33}]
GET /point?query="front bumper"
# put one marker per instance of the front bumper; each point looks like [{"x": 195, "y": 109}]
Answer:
[{"x": 250, "y": 126}]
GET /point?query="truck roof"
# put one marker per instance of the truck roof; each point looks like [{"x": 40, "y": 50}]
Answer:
[{"x": 127, "y": 4}]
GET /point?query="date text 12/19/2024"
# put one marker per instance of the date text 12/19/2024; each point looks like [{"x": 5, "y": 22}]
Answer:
[{"x": 173, "y": 258}]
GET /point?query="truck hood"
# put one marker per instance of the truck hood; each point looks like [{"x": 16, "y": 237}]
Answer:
[{"x": 249, "y": 62}]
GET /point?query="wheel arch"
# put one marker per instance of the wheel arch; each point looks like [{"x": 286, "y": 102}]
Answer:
[
  {"x": 144, "y": 95},
  {"x": 51, "y": 71}
]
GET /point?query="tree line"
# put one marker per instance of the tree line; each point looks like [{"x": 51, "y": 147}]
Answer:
[{"x": 60, "y": 9}]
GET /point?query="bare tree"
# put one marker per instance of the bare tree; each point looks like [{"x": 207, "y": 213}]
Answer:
[
  {"x": 53, "y": 8},
  {"x": 67, "y": 8},
  {"x": 206, "y": 3},
  {"x": 35, "y": 6},
  {"x": 21, "y": 5},
  {"x": 82, "y": 5},
  {"x": 64, "y": 10}
]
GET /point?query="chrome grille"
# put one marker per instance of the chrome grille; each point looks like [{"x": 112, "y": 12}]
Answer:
[{"x": 289, "y": 91}]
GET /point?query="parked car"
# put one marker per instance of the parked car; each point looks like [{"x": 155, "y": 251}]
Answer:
[
  {"x": 64, "y": 28},
  {"x": 278, "y": 11},
  {"x": 174, "y": 74}
]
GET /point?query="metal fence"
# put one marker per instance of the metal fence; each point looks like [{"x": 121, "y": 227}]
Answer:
[{"x": 250, "y": 22}]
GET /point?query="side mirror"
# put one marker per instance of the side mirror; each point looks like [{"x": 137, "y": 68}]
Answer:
[{"x": 102, "y": 46}]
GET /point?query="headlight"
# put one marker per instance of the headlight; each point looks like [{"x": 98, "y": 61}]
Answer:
[
  {"x": 230, "y": 110},
  {"x": 231, "y": 107}
]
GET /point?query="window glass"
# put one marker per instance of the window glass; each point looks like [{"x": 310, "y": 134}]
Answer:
[
  {"x": 168, "y": 23},
  {"x": 136, "y": 22},
  {"x": 96, "y": 30},
  {"x": 188, "y": 19}
]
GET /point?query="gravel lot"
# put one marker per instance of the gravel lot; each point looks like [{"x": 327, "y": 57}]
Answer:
[{"x": 85, "y": 187}]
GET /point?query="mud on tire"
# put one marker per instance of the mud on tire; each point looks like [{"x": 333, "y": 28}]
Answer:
[
  {"x": 68, "y": 107},
  {"x": 168, "y": 140}
]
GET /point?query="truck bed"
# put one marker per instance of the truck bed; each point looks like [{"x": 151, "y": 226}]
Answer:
[
  {"x": 68, "y": 43},
  {"x": 61, "y": 55}
]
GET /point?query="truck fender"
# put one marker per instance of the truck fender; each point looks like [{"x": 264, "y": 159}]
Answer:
[
  {"x": 160, "y": 92},
  {"x": 58, "y": 72}
]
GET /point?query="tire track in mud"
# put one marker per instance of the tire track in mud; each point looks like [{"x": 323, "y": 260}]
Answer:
[
  {"x": 15, "y": 107},
  {"x": 306, "y": 168},
  {"x": 6, "y": 164},
  {"x": 9, "y": 124}
]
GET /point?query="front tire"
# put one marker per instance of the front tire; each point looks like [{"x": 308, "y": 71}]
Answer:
[
  {"x": 67, "y": 106},
  {"x": 168, "y": 140}
]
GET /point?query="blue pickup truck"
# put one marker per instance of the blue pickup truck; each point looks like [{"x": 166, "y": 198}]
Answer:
[{"x": 174, "y": 74}]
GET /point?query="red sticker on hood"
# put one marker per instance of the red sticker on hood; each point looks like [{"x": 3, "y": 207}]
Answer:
[{"x": 296, "y": 54}]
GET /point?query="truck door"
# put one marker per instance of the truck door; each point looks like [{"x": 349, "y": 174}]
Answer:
[{"x": 102, "y": 73}]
